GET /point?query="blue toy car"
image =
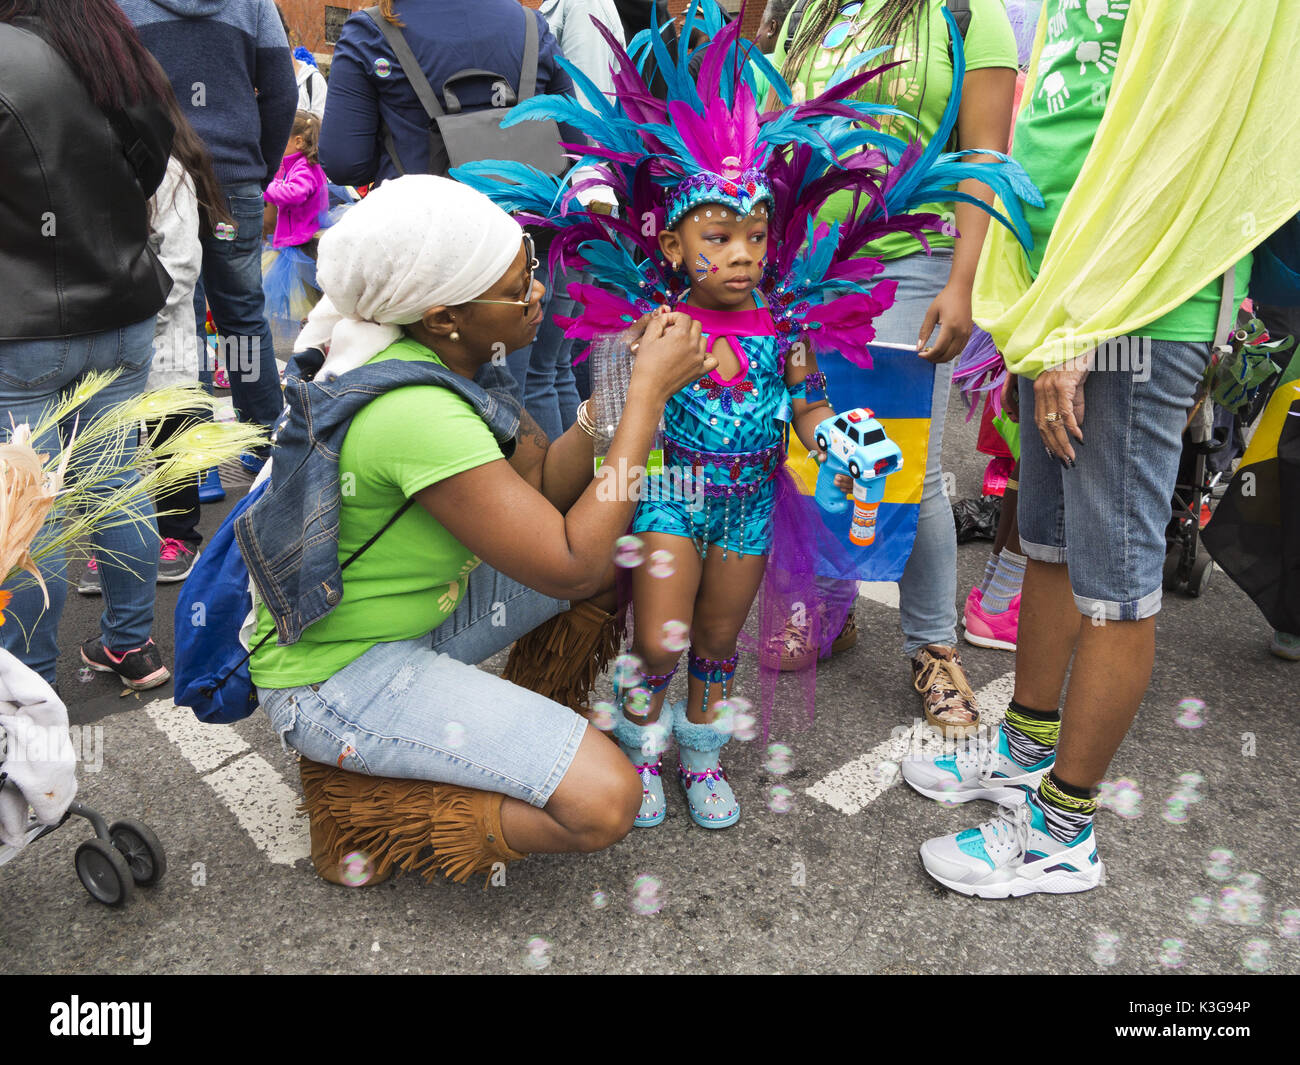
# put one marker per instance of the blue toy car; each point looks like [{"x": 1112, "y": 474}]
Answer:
[{"x": 856, "y": 444}]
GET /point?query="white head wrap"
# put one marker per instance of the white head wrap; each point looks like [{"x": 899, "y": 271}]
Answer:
[{"x": 415, "y": 242}]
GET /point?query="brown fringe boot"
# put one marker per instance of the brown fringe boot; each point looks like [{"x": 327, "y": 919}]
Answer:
[
  {"x": 382, "y": 824},
  {"x": 562, "y": 658}
]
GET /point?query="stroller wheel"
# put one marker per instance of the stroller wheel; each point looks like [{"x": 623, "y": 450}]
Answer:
[
  {"x": 103, "y": 872},
  {"x": 1199, "y": 580},
  {"x": 140, "y": 847}
]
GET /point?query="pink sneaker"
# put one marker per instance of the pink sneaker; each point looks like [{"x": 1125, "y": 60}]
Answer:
[
  {"x": 992, "y": 630},
  {"x": 220, "y": 379},
  {"x": 972, "y": 600}
]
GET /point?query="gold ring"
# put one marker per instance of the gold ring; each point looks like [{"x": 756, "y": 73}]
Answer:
[{"x": 1053, "y": 416}]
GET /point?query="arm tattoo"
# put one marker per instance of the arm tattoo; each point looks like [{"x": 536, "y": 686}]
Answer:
[{"x": 530, "y": 429}]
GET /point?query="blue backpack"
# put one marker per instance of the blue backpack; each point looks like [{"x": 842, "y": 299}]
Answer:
[{"x": 211, "y": 666}]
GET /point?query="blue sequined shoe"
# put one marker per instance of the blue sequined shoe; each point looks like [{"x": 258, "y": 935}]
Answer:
[
  {"x": 709, "y": 798},
  {"x": 644, "y": 746}
]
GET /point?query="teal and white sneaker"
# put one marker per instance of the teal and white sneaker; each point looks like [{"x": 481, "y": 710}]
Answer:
[
  {"x": 1012, "y": 855},
  {"x": 975, "y": 771}
]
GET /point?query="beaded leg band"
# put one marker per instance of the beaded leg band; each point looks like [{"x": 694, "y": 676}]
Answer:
[
  {"x": 654, "y": 683},
  {"x": 713, "y": 671}
]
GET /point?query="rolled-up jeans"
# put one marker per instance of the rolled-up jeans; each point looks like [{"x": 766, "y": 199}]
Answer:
[
  {"x": 34, "y": 374},
  {"x": 231, "y": 282},
  {"x": 419, "y": 709},
  {"x": 927, "y": 590}
]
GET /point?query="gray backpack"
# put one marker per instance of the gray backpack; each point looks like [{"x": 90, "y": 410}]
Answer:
[{"x": 457, "y": 136}]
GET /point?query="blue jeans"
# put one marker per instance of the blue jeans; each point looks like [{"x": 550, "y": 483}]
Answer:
[
  {"x": 543, "y": 371},
  {"x": 231, "y": 281},
  {"x": 419, "y": 709},
  {"x": 927, "y": 590},
  {"x": 1106, "y": 517},
  {"x": 33, "y": 374}
]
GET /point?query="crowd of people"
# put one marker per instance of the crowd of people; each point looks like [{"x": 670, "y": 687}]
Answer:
[{"x": 732, "y": 210}]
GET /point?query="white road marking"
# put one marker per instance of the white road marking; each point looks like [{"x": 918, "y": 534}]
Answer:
[
  {"x": 266, "y": 807},
  {"x": 883, "y": 592},
  {"x": 857, "y": 784},
  {"x": 263, "y": 802}
]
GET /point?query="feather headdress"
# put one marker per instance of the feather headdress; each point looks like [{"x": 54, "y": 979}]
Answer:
[{"x": 708, "y": 142}]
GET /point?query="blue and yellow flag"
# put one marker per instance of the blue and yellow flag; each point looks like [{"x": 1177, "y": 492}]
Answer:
[{"x": 899, "y": 389}]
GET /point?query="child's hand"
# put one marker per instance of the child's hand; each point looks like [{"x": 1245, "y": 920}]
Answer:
[
  {"x": 268, "y": 220},
  {"x": 842, "y": 480}
]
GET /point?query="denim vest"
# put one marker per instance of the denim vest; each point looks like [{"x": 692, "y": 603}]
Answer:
[{"x": 290, "y": 537}]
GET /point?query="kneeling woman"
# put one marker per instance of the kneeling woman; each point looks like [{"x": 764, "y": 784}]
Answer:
[{"x": 373, "y": 672}]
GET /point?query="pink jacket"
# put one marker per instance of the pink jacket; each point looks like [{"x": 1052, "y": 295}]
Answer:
[{"x": 299, "y": 193}]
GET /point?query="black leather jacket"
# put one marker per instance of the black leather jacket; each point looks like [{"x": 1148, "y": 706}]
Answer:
[{"x": 74, "y": 216}]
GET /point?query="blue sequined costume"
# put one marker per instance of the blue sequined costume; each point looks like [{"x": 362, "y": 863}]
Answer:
[{"x": 724, "y": 443}]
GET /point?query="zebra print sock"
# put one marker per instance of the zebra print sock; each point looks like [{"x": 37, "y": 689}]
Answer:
[
  {"x": 1031, "y": 734},
  {"x": 1066, "y": 815}
]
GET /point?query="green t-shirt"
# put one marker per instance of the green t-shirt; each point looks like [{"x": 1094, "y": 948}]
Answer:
[
  {"x": 413, "y": 576},
  {"x": 1055, "y": 131},
  {"x": 920, "y": 87}
]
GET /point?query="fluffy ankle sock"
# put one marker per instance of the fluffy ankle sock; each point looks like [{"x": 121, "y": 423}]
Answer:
[
  {"x": 990, "y": 568},
  {"x": 1031, "y": 734},
  {"x": 1005, "y": 584},
  {"x": 1066, "y": 809}
]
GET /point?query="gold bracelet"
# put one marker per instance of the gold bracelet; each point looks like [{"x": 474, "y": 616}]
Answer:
[
  {"x": 584, "y": 419},
  {"x": 1012, "y": 485}
]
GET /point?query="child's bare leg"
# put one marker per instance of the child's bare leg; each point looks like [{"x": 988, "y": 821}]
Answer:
[
  {"x": 727, "y": 590},
  {"x": 658, "y": 600}
]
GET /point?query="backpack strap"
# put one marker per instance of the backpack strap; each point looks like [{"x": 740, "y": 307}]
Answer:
[
  {"x": 796, "y": 17},
  {"x": 351, "y": 559},
  {"x": 961, "y": 13},
  {"x": 415, "y": 77},
  {"x": 528, "y": 72}
]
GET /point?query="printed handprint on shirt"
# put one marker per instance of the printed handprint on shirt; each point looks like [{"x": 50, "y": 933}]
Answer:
[
  {"x": 1055, "y": 91},
  {"x": 1092, "y": 52},
  {"x": 1112, "y": 9}
]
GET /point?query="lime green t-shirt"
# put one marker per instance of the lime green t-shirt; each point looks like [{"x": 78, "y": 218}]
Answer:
[
  {"x": 1055, "y": 130},
  {"x": 412, "y": 577},
  {"x": 920, "y": 87}
]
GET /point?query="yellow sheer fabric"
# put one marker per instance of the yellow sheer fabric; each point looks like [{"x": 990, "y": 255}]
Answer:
[{"x": 1194, "y": 163}]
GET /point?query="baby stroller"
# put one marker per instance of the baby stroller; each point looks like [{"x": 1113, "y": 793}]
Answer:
[{"x": 109, "y": 866}]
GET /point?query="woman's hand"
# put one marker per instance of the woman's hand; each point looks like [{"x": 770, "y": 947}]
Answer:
[
  {"x": 669, "y": 354},
  {"x": 1011, "y": 397},
  {"x": 950, "y": 310},
  {"x": 1058, "y": 409}
]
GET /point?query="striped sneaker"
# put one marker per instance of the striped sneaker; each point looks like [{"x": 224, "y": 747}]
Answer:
[
  {"x": 140, "y": 668},
  {"x": 976, "y": 770},
  {"x": 1013, "y": 854}
]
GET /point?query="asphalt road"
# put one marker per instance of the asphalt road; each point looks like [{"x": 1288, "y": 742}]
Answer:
[{"x": 810, "y": 889}]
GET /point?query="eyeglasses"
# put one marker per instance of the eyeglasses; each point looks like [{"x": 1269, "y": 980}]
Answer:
[
  {"x": 841, "y": 31},
  {"x": 530, "y": 252}
]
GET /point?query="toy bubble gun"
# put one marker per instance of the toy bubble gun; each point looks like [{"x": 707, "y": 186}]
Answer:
[{"x": 856, "y": 444}]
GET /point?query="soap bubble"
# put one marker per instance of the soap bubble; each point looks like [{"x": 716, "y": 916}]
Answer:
[
  {"x": 1200, "y": 909},
  {"x": 675, "y": 636},
  {"x": 1256, "y": 955},
  {"x": 629, "y": 551},
  {"x": 85, "y": 674},
  {"x": 645, "y": 898},
  {"x": 1219, "y": 864},
  {"x": 654, "y": 739},
  {"x": 1122, "y": 796},
  {"x": 1288, "y": 924},
  {"x": 778, "y": 760},
  {"x": 539, "y": 953},
  {"x": 1242, "y": 903},
  {"x": 725, "y": 709},
  {"x": 1104, "y": 948},
  {"x": 1190, "y": 716},
  {"x": 949, "y": 788},
  {"x": 744, "y": 726},
  {"x": 637, "y": 702},
  {"x": 1175, "y": 810},
  {"x": 662, "y": 564},
  {"x": 1171, "y": 953},
  {"x": 599, "y": 900},
  {"x": 602, "y": 716},
  {"x": 1191, "y": 780},
  {"x": 453, "y": 736},
  {"x": 356, "y": 869},
  {"x": 626, "y": 671},
  {"x": 382, "y": 68},
  {"x": 779, "y": 799}
]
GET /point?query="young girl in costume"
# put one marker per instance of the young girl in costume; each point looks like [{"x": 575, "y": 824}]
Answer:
[
  {"x": 717, "y": 206},
  {"x": 301, "y": 199}
]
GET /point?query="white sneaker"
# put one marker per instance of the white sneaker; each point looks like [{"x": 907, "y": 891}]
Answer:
[
  {"x": 981, "y": 770},
  {"x": 1012, "y": 855}
]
